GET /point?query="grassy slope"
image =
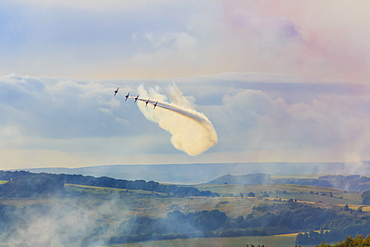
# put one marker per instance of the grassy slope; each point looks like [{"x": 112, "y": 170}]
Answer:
[
  {"x": 105, "y": 190},
  {"x": 230, "y": 202},
  {"x": 300, "y": 192}
]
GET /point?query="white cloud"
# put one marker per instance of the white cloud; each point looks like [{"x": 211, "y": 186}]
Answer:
[
  {"x": 139, "y": 39},
  {"x": 256, "y": 117},
  {"x": 177, "y": 40},
  {"x": 253, "y": 120}
]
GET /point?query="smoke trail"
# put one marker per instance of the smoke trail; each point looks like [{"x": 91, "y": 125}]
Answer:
[{"x": 192, "y": 132}]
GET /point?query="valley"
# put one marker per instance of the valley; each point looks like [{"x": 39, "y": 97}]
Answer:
[{"x": 196, "y": 215}]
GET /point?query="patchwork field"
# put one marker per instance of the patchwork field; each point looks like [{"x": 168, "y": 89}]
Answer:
[
  {"x": 233, "y": 199},
  {"x": 303, "y": 193}
]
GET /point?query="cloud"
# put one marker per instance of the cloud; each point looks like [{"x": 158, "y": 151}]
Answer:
[
  {"x": 191, "y": 131},
  {"x": 121, "y": 39},
  {"x": 171, "y": 40},
  {"x": 59, "y": 122},
  {"x": 328, "y": 124},
  {"x": 257, "y": 117},
  {"x": 310, "y": 38},
  {"x": 60, "y": 109},
  {"x": 71, "y": 38}
]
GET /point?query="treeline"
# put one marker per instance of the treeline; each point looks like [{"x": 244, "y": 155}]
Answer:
[
  {"x": 25, "y": 184},
  {"x": 264, "y": 220},
  {"x": 359, "y": 240},
  {"x": 175, "y": 225},
  {"x": 31, "y": 186},
  {"x": 366, "y": 197},
  {"x": 339, "y": 227},
  {"x": 349, "y": 241}
]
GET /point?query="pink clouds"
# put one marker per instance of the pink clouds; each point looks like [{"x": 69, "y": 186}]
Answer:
[
  {"x": 310, "y": 38},
  {"x": 306, "y": 37}
]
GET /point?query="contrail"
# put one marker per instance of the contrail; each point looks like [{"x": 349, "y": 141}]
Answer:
[
  {"x": 196, "y": 116},
  {"x": 192, "y": 132}
]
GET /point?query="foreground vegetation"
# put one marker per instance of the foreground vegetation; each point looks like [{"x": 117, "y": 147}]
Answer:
[
  {"x": 358, "y": 241},
  {"x": 283, "y": 240}
]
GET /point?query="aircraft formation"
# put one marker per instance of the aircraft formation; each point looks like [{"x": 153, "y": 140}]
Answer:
[{"x": 137, "y": 98}]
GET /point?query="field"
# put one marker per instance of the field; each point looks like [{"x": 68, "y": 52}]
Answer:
[
  {"x": 303, "y": 193},
  {"x": 231, "y": 202},
  {"x": 269, "y": 241},
  {"x": 104, "y": 190}
]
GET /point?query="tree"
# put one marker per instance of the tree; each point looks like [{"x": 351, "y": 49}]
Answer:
[
  {"x": 251, "y": 194},
  {"x": 34, "y": 185},
  {"x": 366, "y": 197}
]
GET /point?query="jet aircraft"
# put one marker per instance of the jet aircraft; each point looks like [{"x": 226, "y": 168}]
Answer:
[
  {"x": 137, "y": 97},
  {"x": 146, "y": 103},
  {"x": 127, "y": 96},
  {"x": 116, "y": 91},
  {"x": 155, "y": 104}
]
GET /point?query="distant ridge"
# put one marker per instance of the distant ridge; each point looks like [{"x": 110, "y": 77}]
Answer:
[
  {"x": 258, "y": 178},
  {"x": 205, "y": 172},
  {"x": 355, "y": 183}
]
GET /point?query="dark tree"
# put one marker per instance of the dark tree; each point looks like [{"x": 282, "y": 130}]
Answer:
[{"x": 251, "y": 194}]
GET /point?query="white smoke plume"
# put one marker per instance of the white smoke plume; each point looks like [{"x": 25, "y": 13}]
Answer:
[{"x": 191, "y": 131}]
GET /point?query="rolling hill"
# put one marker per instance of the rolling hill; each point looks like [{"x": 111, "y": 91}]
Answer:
[
  {"x": 204, "y": 172},
  {"x": 354, "y": 183}
]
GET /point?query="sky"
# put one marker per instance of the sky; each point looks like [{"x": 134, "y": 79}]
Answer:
[{"x": 279, "y": 80}]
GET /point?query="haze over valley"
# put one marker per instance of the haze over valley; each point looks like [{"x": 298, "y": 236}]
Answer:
[
  {"x": 184, "y": 123},
  {"x": 204, "y": 172}
]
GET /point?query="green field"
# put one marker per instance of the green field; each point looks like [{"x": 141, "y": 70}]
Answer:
[
  {"x": 303, "y": 193},
  {"x": 156, "y": 204},
  {"x": 285, "y": 240},
  {"x": 104, "y": 190}
]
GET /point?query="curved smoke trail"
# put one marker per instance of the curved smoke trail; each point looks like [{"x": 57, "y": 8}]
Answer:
[{"x": 192, "y": 132}]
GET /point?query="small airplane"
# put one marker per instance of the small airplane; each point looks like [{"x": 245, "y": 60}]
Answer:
[
  {"x": 127, "y": 96},
  {"x": 137, "y": 97},
  {"x": 155, "y": 104},
  {"x": 146, "y": 103},
  {"x": 116, "y": 91}
]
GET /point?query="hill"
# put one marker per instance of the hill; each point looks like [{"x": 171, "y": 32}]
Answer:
[
  {"x": 203, "y": 172},
  {"x": 354, "y": 183},
  {"x": 27, "y": 184}
]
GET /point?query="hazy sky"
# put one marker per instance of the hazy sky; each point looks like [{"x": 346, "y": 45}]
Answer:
[{"x": 279, "y": 80}]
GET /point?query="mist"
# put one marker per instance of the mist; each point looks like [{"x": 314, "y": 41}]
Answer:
[
  {"x": 192, "y": 132},
  {"x": 60, "y": 222}
]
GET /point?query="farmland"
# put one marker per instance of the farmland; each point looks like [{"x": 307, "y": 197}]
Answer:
[
  {"x": 230, "y": 200},
  {"x": 235, "y": 217},
  {"x": 303, "y": 193}
]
